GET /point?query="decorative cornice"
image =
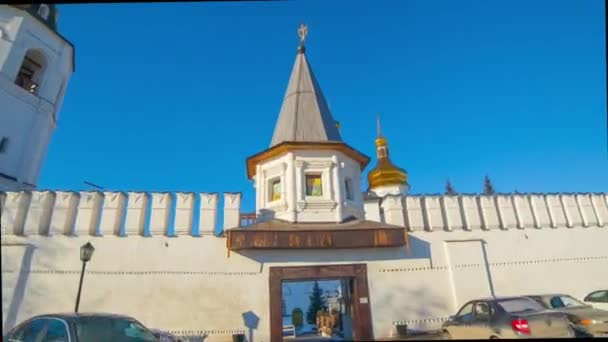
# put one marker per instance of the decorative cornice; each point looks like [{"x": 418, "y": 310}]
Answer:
[
  {"x": 317, "y": 204},
  {"x": 290, "y": 146}
]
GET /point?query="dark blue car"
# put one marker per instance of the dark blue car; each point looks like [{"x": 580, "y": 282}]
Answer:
[{"x": 80, "y": 327}]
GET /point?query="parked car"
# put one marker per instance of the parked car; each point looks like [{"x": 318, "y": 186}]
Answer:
[
  {"x": 506, "y": 317},
  {"x": 597, "y": 299},
  {"x": 81, "y": 327},
  {"x": 585, "y": 318}
]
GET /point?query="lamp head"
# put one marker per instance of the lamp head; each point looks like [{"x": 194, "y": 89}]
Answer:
[{"x": 86, "y": 252}]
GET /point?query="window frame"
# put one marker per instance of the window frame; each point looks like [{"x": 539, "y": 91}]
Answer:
[
  {"x": 459, "y": 317},
  {"x": 382, "y": 152},
  {"x": 271, "y": 182},
  {"x": 316, "y": 174},
  {"x": 23, "y": 327},
  {"x": 32, "y": 70},
  {"x": 4, "y": 141},
  {"x": 475, "y": 313},
  {"x": 499, "y": 304},
  {"x": 65, "y": 324},
  {"x": 605, "y": 296},
  {"x": 348, "y": 189}
]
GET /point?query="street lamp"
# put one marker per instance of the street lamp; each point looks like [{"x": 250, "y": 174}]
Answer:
[{"x": 86, "y": 252}]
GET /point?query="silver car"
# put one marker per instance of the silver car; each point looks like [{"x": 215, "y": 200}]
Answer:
[
  {"x": 506, "y": 317},
  {"x": 586, "y": 319}
]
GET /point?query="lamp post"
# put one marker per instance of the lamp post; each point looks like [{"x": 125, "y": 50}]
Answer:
[{"x": 86, "y": 252}]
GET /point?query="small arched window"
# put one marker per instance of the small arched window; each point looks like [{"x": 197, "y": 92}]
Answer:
[
  {"x": 3, "y": 144},
  {"x": 382, "y": 152},
  {"x": 30, "y": 73},
  {"x": 44, "y": 11}
]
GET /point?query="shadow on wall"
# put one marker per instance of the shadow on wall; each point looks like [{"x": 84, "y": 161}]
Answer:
[
  {"x": 20, "y": 284},
  {"x": 266, "y": 215},
  {"x": 250, "y": 320},
  {"x": 419, "y": 249},
  {"x": 419, "y": 304},
  {"x": 29, "y": 296},
  {"x": 487, "y": 267}
]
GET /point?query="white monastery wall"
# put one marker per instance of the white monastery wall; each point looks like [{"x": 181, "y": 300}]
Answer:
[{"x": 460, "y": 247}]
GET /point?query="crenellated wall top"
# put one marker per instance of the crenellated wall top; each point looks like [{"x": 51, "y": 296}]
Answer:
[
  {"x": 428, "y": 212},
  {"x": 126, "y": 213},
  {"x": 99, "y": 213}
]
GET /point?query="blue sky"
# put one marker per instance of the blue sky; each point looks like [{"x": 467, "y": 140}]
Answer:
[{"x": 175, "y": 96}]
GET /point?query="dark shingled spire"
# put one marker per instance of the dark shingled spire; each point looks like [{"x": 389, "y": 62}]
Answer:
[{"x": 304, "y": 115}]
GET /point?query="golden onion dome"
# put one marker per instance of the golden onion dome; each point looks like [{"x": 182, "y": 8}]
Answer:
[{"x": 385, "y": 172}]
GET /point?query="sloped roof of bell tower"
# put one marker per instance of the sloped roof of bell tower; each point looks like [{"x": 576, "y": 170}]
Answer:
[{"x": 304, "y": 115}]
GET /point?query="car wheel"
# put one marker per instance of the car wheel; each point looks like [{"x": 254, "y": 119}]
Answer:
[{"x": 445, "y": 335}]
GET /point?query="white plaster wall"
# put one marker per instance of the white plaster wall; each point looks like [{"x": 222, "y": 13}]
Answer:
[
  {"x": 395, "y": 189},
  {"x": 422, "y": 292},
  {"x": 143, "y": 277},
  {"x": 28, "y": 120},
  {"x": 208, "y": 292}
]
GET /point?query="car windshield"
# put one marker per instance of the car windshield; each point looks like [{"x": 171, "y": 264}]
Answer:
[
  {"x": 558, "y": 302},
  {"x": 519, "y": 305},
  {"x": 115, "y": 329}
]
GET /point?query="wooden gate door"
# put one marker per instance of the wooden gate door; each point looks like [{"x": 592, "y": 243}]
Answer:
[{"x": 362, "y": 318}]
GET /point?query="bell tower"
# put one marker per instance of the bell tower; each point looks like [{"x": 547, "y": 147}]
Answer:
[
  {"x": 308, "y": 174},
  {"x": 36, "y": 63}
]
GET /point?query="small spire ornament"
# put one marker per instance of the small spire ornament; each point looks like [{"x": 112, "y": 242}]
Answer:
[{"x": 302, "y": 33}]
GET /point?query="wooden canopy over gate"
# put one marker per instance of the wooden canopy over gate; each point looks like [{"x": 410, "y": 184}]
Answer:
[{"x": 276, "y": 234}]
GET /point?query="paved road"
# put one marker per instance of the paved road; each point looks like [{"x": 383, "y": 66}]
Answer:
[
  {"x": 312, "y": 338},
  {"x": 420, "y": 336},
  {"x": 316, "y": 338}
]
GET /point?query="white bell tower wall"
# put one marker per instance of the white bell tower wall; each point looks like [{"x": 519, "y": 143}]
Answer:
[
  {"x": 35, "y": 66},
  {"x": 340, "y": 196}
]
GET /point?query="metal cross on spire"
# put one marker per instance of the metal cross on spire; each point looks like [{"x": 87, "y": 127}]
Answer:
[{"x": 302, "y": 32}]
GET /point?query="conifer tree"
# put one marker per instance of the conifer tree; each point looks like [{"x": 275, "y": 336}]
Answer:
[
  {"x": 317, "y": 303},
  {"x": 449, "y": 189},
  {"x": 488, "y": 188}
]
